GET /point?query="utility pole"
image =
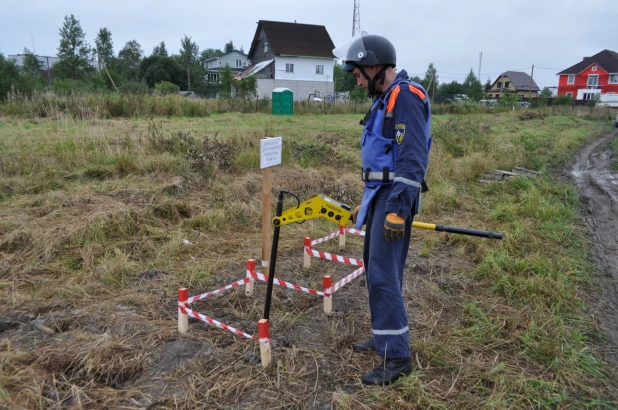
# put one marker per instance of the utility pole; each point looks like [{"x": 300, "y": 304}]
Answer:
[
  {"x": 480, "y": 61},
  {"x": 530, "y": 87},
  {"x": 356, "y": 18}
]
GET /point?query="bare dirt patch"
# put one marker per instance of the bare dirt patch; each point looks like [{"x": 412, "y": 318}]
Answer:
[{"x": 597, "y": 186}]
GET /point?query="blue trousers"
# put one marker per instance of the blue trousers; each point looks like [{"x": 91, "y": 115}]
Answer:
[{"x": 384, "y": 264}]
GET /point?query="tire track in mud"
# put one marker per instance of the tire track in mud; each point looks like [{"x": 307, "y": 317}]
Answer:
[{"x": 597, "y": 186}]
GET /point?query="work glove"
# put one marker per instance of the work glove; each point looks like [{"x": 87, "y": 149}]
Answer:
[
  {"x": 355, "y": 214},
  {"x": 393, "y": 227}
]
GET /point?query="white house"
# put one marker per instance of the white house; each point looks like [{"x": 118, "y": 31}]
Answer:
[
  {"x": 236, "y": 59},
  {"x": 294, "y": 56}
]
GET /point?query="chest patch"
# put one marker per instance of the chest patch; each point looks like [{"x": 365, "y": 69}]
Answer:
[{"x": 400, "y": 132}]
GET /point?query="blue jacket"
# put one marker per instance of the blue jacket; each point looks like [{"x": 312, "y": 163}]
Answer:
[{"x": 400, "y": 122}]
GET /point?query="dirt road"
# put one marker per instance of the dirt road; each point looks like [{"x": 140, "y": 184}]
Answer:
[{"x": 598, "y": 189}]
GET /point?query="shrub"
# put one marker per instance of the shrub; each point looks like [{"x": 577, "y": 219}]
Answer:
[
  {"x": 563, "y": 100},
  {"x": 133, "y": 87},
  {"x": 165, "y": 87}
]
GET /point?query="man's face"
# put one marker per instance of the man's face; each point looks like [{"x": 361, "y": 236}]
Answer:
[{"x": 361, "y": 81}]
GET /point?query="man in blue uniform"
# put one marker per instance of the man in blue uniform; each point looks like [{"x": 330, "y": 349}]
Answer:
[{"x": 395, "y": 152}]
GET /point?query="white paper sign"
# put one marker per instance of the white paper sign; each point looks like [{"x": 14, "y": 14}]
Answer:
[{"x": 270, "y": 152}]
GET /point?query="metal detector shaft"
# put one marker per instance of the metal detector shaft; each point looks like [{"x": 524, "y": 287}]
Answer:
[
  {"x": 273, "y": 257},
  {"x": 455, "y": 229}
]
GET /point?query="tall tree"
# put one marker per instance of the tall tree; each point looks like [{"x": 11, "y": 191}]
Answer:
[
  {"x": 488, "y": 85},
  {"x": 227, "y": 78},
  {"x": 104, "y": 47},
  {"x": 431, "y": 78},
  {"x": 210, "y": 53},
  {"x": 473, "y": 86},
  {"x": 159, "y": 50},
  {"x": 451, "y": 89},
  {"x": 74, "y": 52},
  {"x": 189, "y": 52},
  {"x": 344, "y": 80},
  {"x": 9, "y": 76},
  {"x": 30, "y": 64},
  {"x": 155, "y": 69},
  {"x": 129, "y": 59}
]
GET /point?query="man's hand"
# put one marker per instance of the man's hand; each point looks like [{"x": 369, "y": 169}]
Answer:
[
  {"x": 393, "y": 227},
  {"x": 355, "y": 214}
]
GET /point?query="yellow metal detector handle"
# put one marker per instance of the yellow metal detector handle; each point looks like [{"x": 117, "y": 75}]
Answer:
[{"x": 321, "y": 206}]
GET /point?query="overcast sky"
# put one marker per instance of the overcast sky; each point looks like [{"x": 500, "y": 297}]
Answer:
[{"x": 513, "y": 35}]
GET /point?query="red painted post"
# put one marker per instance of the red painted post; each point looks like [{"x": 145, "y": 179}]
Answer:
[
  {"x": 327, "y": 284},
  {"x": 264, "y": 336},
  {"x": 183, "y": 318},
  {"x": 306, "y": 256},
  {"x": 250, "y": 285}
]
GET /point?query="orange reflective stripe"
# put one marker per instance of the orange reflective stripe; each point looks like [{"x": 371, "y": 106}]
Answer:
[
  {"x": 392, "y": 98},
  {"x": 395, "y": 93},
  {"x": 417, "y": 92}
]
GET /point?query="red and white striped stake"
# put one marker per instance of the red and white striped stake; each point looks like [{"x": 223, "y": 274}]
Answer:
[
  {"x": 249, "y": 286},
  {"x": 307, "y": 255},
  {"x": 327, "y": 283},
  {"x": 341, "y": 237},
  {"x": 183, "y": 318},
  {"x": 264, "y": 335}
]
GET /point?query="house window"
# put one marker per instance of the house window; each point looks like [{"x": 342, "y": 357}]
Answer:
[
  {"x": 507, "y": 84},
  {"x": 219, "y": 63},
  {"x": 238, "y": 63},
  {"x": 571, "y": 79},
  {"x": 593, "y": 80},
  {"x": 499, "y": 84},
  {"x": 588, "y": 96},
  {"x": 594, "y": 68},
  {"x": 569, "y": 95},
  {"x": 265, "y": 47},
  {"x": 289, "y": 68},
  {"x": 319, "y": 69},
  {"x": 613, "y": 79}
]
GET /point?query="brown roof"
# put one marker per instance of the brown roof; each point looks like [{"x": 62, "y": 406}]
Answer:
[
  {"x": 521, "y": 81},
  {"x": 606, "y": 59},
  {"x": 295, "y": 39}
]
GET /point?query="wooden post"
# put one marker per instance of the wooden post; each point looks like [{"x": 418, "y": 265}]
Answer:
[
  {"x": 249, "y": 285},
  {"x": 341, "y": 237},
  {"x": 264, "y": 335},
  {"x": 183, "y": 319},
  {"x": 327, "y": 284},
  {"x": 267, "y": 184},
  {"x": 306, "y": 256}
]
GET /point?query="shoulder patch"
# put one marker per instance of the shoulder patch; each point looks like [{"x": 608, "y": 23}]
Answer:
[{"x": 400, "y": 132}]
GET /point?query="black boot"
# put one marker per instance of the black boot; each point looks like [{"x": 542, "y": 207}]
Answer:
[
  {"x": 387, "y": 372},
  {"x": 366, "y": 346}
]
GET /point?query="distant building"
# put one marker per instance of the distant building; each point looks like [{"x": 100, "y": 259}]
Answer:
[
  {"x": 294, "y": 56},
  {"x": 46, "y": 64},
  {"x": 236, "y": 59},
  {"x": 514, "y": 82},
  {"x": 593, "y": 75}
]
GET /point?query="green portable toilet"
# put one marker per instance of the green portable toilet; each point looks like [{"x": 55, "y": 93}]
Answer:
[{"x": 283, "y": 101}]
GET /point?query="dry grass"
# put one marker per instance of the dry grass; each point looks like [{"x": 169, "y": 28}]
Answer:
[{"x": 101, "y": 221}]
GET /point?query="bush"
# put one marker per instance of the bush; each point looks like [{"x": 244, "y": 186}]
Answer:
[
  {"x": 165, "y": 87},
  {"x": 563, "y": 100},
  {"x": 133, "y": 87}
]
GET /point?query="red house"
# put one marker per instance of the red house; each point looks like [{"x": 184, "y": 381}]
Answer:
[{"x": 593, "y": 75}]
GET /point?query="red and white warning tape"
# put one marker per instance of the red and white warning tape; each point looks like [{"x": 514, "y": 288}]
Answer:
[
  {"x": 347, "y": 279},
  {"x": 333, "y": 257},
  {"x": 214, "y": 322},
  {"x": 233, "y": 285},
  {"x": 355, "y": 231},
  {"x": 326, "y": 238},
  {"x": 279, "y": 282}
]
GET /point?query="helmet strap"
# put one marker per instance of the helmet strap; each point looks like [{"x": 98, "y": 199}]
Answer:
[{"x": 371, "y": 86}]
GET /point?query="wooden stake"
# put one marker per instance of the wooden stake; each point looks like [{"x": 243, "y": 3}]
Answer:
[
  {"x": 249, "y": 286},
  {"x": 267, "y": 184},
  {"x": 264, "y": 335},
  {"x": 341, "y": 237},
  {"x": 327, "y": 283},
  {"x": 183, "y": 319},
  {"x": 306, "y": 256}
]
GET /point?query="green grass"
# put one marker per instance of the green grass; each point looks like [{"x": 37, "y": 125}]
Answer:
[{"x": 498, "y": 324}]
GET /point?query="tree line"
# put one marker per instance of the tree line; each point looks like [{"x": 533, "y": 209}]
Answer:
[{"x": 86, "y": 68}]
